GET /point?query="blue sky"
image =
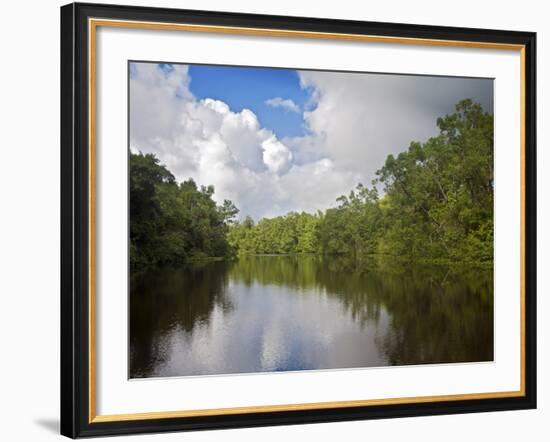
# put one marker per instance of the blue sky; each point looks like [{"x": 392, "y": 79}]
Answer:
[
  {"x": 278, "y": 140},
  {"x": 250, "y": 88}
]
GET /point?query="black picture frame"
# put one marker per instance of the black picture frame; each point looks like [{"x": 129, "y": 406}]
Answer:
[{"x": 75, "y": 221}]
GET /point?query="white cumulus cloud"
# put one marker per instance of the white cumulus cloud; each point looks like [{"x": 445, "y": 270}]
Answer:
[
  {"x": 276, "y": 155},
  {"x": 285, "y": 103},
  {"x": 358, "y": 119},
  {"x": 207, "y": 141},
  {"x": 354, "y": 122}
]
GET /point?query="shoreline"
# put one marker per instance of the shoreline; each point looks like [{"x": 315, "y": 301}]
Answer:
[{"x": 399, "y": 258}]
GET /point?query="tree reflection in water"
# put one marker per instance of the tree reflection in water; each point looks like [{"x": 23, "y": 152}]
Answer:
[{"x": 264, "y": 313}]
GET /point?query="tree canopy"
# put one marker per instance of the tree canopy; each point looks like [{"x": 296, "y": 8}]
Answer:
[
  {"x": 173, "y": 223},
  {"x": 433, "y": 201},
  {"x": 437, "y": 203}
]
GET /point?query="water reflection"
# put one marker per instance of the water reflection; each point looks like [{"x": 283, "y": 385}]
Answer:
[{"x": 269, "y": 313}]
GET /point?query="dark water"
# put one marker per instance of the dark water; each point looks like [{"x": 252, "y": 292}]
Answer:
[{"x": 271, "y": 313}]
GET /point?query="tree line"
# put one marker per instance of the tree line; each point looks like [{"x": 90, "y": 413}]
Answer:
[
  {"x": 170, "y": 222},
  {"x": 433, "y": 201}
]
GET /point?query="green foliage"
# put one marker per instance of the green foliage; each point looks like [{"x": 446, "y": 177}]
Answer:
[
  {"x": 170, "y": 222},
  {"x": 440, "y": 194},
  {"x": 292, "y": 233},
  {"x": 354, "y": 226},
  {"x": 437, "y": 205}
]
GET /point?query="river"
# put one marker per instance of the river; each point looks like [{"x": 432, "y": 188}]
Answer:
[{"x": 306, "y": 312}]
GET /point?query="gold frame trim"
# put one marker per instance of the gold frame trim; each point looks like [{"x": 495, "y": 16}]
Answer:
[{"x": 93, "y": 24}]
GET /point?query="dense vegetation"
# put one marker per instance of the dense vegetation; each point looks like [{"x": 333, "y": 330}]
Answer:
[
  {"x": 173, "y": 223},
  {"x": 436, "y": 204}
]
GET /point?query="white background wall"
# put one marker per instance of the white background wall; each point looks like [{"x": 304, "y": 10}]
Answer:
[{"x": 29, "y": 220}]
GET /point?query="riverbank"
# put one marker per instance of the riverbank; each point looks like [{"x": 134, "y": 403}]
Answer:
[{"x": 363, "y": 260}]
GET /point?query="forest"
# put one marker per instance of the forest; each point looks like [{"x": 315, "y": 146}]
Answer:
[{"x": 432, "y": 202}]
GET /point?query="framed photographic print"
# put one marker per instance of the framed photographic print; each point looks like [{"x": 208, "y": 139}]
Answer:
[{"x": 273, "y": 220}]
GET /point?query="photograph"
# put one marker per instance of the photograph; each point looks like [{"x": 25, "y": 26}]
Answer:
[
  {"x": 276, "y": 220},
  {"x": 286, "y": 219}
]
